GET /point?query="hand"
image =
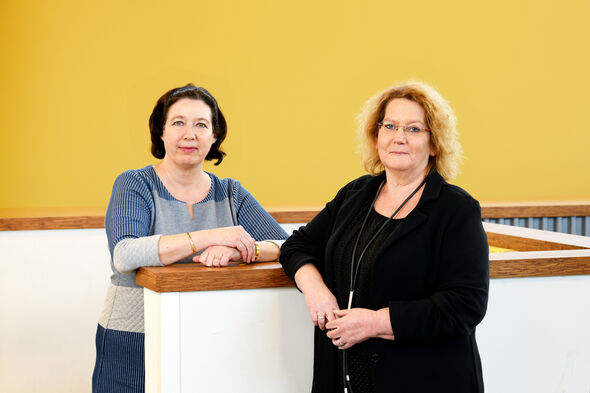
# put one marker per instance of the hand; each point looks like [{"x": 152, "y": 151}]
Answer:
[
  {"x": 217, "y": 256},
  {"x": 235, "y": 237},
  {"x": 356, "y": 325},
  {"x": 321, "y": 304}
]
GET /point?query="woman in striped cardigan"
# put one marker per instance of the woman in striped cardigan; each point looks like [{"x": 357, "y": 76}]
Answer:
[{"x": 171, "y": 212}]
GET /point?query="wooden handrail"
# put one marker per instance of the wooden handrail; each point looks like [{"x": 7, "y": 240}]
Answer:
[
  {"x": 540, "y": 263},
  {"x": 196, "y": 277},
  {"x": 535, "y": 209},
  {"x": 26, "y": 219},
  {"x": 536, "y": 255}
]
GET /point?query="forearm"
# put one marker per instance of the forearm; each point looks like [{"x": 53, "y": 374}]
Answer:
[
  {"x": 156, "y": 250},
  {"x": 175, "y": 247},
  {"x": 132, "y": 253},
  {"x": 172, "y": 248},
  {"x": 308, "y": 278},
  {"x": 321, "y": 303}
]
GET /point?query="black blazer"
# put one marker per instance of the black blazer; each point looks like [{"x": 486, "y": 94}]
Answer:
[{"x": 432, "y": 273}]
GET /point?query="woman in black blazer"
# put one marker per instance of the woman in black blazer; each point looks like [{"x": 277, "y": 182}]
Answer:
[{"x": 395, "y": 268}]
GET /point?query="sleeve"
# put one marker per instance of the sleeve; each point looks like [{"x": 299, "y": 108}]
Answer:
[
  {"x": 308, "y": 243},
  {"x": 128, "y": 224},
  {"x": 460, "y": 300},
  {"x": 252, "y": 216}
]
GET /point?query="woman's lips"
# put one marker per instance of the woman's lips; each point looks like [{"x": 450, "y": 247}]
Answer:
[{"x": 188, "y": 149}]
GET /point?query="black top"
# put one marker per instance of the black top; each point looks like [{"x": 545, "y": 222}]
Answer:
[
  {"x": 432, "y": 274},
  {"x": 359, "y": 357}
]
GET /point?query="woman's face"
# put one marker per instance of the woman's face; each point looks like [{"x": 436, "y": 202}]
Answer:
[
  {"x": 402, "y": 152},
  {"x": 188, "y": 132}
]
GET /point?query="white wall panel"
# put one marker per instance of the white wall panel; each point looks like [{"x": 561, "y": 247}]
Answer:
[
  {"x": 52, "y": 288},
  {"x": 533, "y": 339}
]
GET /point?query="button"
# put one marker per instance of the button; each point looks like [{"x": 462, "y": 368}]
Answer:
[{"x": 375, "y": 358}]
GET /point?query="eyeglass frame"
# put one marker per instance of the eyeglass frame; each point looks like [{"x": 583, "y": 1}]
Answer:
[{"x": 406, "y": 129}]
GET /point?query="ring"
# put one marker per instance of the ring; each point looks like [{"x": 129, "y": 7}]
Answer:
[
  {"x": 340, "y": 343},
  {"x": 322, "y": 317}
]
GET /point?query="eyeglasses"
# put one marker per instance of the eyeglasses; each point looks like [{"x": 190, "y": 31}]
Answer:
[{"x": 408, "y": 130}]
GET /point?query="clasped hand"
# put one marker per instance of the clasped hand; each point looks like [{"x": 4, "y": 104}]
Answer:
[
  {"x": 350, "y": 327},
  {"x": 344, "y": 327},
  {"x": 235, "y": 238}
]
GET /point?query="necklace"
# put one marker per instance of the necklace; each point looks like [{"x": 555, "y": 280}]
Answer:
[{"x": 354, "y": 269}]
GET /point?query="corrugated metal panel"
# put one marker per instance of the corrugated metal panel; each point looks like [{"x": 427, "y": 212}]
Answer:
[{"x": 573, "y": 225}]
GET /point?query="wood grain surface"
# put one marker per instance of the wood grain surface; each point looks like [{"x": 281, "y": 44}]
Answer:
[
  {"x": 35, "y": 219},
  {"x": 540, "y": 264},
  {"x": 182, "y": 278},
  {"x": 524, "y": 244},
  {"x": 528, "y": 239},
  {"x": 59, "y": 222},
  {"x": 535, "y": 209},
  {"x": 540, "y": 253},
  {"x": 196, "y": 277}
]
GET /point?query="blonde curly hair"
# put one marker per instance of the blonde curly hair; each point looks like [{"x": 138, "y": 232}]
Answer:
[{"x": 440, "y": 119}]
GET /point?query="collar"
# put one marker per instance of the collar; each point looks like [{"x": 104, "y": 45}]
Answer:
[{"x": 434, "y": 184}]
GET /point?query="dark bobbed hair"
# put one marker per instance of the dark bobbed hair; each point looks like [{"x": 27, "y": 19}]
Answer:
[{"x": 160, "y": 112}]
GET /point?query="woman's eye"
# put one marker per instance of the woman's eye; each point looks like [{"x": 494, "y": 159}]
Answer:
[
  {"x": 201, "y": 125},
  {"x": 389, "y": 126},
  {"x": 414, "y": 129},
  {"x": 177, "y": 123}
]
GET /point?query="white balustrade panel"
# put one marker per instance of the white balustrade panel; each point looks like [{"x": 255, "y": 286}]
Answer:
[{"x": 254, "y": 340}]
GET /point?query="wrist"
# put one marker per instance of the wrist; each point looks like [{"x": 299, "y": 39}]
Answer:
[
  {"x": 308, "y": 278},
  {"x": 191, "y": 243},
  {"x": 269, "y": 250},
  {"x": 202, "y": 239},
  {"x": 314, "y": 286},
  {"x": 382, "y": 322},
  {"x": 256, "y": 252}
]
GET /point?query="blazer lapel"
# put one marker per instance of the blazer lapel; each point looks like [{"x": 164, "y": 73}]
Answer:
[
  {"x": 418, "y": 216},
  {"x": 356, "y": 200}
]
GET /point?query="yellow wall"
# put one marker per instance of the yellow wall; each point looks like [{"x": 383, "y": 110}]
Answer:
[{"x": 79, "y": 80}]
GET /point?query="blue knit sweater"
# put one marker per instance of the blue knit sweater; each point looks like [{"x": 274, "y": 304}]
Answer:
[{"x": 141, "y": 210}]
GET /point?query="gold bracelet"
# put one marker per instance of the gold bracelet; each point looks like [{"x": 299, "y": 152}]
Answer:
[
  {"x": 190, "y": 240},
  {"x": 257, "y": 253}
]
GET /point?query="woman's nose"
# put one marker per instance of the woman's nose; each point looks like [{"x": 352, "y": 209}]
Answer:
[
  {"x": 188, "y": 132},
  {"x": 399, "y": 135}
]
